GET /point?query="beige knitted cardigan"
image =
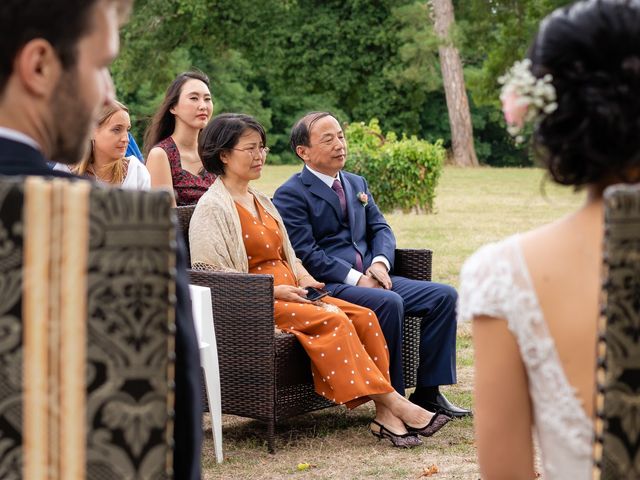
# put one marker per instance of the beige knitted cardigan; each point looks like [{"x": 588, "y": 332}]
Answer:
[{"x": 215, "y": 233}]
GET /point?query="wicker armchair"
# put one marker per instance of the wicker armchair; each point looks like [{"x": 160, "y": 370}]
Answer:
[{"x": 268, "y": 378}]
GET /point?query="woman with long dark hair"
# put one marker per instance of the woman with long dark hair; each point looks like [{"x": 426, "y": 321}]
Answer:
[{"x": 171, "y": 141}]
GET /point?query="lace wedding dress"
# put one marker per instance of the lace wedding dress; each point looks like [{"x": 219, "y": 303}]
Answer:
[{"x": 495, "y": 282}]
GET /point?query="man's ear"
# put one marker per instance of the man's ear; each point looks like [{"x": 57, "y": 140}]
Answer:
[
  {"x": 301, "y": 150},
  {"x": 38, "y": 67}
]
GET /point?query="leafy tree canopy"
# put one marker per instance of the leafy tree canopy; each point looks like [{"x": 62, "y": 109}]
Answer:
[{"x": 277, "y": 59}]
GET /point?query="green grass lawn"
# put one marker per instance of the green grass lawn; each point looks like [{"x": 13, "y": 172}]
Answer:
[{"x": 473, "y": 207}]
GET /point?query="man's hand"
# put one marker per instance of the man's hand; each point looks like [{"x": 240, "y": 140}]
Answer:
[
  {"x": 368, "y": 282},
  {"x": 378, "y": 271},
  {"x": 290, "y": 293},
  {"x": 309, "y": 281}
]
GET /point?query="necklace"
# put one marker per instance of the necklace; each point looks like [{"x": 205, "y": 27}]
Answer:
[{"x": 98, "y": 177}]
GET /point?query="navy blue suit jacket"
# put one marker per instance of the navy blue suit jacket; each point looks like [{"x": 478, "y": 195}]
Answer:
[
  {"x": 324, "y": 241},
  {"x": 20, "y": 159}
]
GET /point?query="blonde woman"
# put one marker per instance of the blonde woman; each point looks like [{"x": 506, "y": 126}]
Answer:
[{"x": 105, "y": 160}]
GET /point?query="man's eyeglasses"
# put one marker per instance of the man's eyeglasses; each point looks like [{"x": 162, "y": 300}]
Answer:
[{"x": 254, "y": 151}]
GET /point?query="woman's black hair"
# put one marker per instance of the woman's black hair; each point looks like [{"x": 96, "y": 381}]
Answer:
[
  {"x": 163, "y": 122},
  {"x": 592, "y": 50},
  {"x": 221, "y": 135}
]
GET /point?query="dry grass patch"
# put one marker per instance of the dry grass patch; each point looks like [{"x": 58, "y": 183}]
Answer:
[{"x": 337, "y": 444}]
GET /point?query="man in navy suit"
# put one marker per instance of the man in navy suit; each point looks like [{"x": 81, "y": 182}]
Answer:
[
  {"x": 343, "y": 240},
  {"x": 54, "y": 80}
]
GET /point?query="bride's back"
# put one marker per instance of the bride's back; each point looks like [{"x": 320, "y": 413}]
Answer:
[
  {"x": 564, "y": 260},
  {"x": 580, "y": 87}
]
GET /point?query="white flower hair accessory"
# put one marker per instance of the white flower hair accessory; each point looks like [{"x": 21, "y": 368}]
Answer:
[{"x": 524, "y": 97}]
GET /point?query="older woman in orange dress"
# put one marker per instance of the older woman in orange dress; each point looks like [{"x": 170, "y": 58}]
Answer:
[{"x": 236, "y": 228}]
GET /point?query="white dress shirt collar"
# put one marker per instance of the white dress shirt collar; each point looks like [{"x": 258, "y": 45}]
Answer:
[
  {"x": 326, "y": 179},
  {"x": 16, "y": 136}
]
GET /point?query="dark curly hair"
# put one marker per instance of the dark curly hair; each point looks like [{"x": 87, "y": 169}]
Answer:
[
  {"x": 592, "y": 50},
  {"x": 221, "y": 135}
]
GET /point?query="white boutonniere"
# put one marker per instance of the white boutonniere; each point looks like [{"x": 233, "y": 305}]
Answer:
[{"x": 363, "y": 198}]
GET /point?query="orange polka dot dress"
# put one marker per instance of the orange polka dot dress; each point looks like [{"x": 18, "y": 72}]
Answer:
[{"x": 349, "y": 356}]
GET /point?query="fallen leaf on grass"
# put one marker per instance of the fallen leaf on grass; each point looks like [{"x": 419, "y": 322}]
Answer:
[
  {"x": 429, "y": 471},
  {"x": 304, "y": 466}
]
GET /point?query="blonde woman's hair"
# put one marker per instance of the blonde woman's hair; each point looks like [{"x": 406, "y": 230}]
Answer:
[{"x": 117, "y": 168}]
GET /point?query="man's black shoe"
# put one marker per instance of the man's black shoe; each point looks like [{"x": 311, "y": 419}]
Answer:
[{"x": 441, "y": 404}]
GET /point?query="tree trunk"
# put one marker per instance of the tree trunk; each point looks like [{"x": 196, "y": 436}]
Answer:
[{"x": 464, "y": 153}]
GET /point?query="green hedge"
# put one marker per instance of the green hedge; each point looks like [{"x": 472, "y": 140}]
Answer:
[{"x": 402, "y": 173}]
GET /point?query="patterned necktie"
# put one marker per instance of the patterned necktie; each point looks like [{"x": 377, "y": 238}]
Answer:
[{"x": 337, "y": 187}]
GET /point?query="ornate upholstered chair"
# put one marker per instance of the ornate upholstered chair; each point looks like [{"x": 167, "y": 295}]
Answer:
[
  {"x": 87, "y": 280},
  {"x": 617, "y": 437}
]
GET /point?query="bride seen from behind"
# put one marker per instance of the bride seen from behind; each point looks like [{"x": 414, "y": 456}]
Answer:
[{"x": 534, "y": 297}]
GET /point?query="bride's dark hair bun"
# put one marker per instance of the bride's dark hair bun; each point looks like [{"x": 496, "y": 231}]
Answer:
[{"x": 592, "y": 50}]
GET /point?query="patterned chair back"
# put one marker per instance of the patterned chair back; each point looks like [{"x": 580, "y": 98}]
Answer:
[
  {"x": 617, "y": 431},
  {"x": 87, "y": 280}
]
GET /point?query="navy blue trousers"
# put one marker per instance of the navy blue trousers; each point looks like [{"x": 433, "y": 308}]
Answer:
[{"x": 434, "y": 303}]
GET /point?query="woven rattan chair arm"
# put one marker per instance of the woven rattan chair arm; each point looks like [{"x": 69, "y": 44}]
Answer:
[
  {"x": 413, "y": 263},
  {"x": 243, "y": 319},
  {"x": 241, "y": 302}
]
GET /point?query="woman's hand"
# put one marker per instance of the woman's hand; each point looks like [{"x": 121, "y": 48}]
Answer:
[
  {"x": 290, "y": 293},
  {"x": 309, "y": 281}
]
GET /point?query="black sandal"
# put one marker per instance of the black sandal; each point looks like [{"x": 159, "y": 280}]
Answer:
[
  {"x": 404, "y": 440},
  {"x": 438, "y": 421}
]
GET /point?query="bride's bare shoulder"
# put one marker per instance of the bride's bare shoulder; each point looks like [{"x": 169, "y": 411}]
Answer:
[
  {"x": 565, "y": 245},
  {"x": 551, "y": 235}
]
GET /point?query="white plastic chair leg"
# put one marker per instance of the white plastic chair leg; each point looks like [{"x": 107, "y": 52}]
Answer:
[
  {"x": 203, "y": 322},
  {"x": 209, "y": 362}
]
